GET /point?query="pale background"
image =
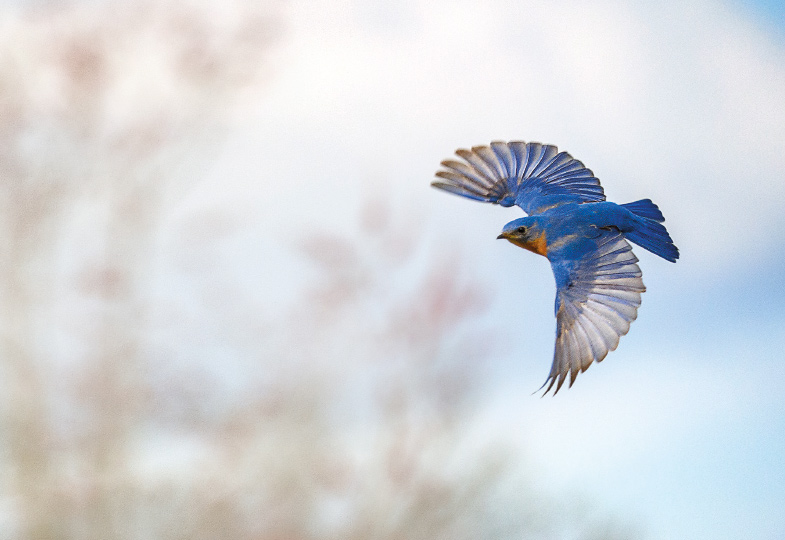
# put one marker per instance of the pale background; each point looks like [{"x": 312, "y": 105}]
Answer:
[{"x": 232, "y": 306}]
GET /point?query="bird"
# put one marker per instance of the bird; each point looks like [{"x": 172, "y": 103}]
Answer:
[{"x": 585, "y": 238}]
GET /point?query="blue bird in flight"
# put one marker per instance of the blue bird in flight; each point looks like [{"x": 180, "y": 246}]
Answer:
[{"x": 585, "y": 238}]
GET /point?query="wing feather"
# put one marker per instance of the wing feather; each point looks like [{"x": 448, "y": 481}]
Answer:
[
  {"x": 531, "y": 175},
  {"x": 506, "y": 158},
  {"x": 454, "y": 179},
  {"x": 596, "y": 304},
  {"x": 479, "y": 164},
  {"x": 473, "y": 175}
]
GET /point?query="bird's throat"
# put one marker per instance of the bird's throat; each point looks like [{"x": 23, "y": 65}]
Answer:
[{"x": 537, "y": 245}]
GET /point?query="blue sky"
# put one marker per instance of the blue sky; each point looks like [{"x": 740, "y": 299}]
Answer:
[
  {"x": 681, "y": 431},
  {"x": 770, "y": 14},
  {"x": 681, "y": 428}
]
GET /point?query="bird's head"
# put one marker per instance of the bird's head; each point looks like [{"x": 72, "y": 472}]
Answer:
[{"x": 526, "y": 233}]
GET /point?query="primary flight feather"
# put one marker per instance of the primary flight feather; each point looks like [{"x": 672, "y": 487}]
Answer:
[{"x": 598, "y": 283}]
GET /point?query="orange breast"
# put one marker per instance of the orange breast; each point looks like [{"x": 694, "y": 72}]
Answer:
[{"x": 538, "y": 245}]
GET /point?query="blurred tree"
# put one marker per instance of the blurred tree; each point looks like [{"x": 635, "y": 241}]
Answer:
[{"x": 353, "y": 415}]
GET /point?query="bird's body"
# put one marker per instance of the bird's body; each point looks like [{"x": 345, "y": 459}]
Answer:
[
  {"x": 598, "y": 283},
  {"x": 569, "y": 231}
]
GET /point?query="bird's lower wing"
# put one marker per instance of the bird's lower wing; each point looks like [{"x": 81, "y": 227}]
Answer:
[{"x": 597, "y": 298}]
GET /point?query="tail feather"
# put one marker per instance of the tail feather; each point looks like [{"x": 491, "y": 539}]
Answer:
[
  {"x": 645, "y": 208},
  {"x": 654, "y": 237},
  {"x": 648, "y": 232}
]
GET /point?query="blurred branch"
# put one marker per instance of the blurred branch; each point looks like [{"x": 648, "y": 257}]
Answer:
[
  {"x": 100, "y": 105},
  {"x": 351, "y": 416}
]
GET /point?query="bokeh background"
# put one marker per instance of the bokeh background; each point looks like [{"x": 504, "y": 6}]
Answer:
[{"x": 232, "y": 306}]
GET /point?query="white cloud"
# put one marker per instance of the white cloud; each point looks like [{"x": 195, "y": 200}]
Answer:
[
  {"x": 654, "y": 437},
  {"x": 681, "y": 103}
]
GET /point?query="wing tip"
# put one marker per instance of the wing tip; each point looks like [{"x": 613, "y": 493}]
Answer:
[{"x": 550, "y": 381}]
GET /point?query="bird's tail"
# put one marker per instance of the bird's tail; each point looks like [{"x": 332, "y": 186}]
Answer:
[
  {"x": 645, "y": 208},
  {"x": 649, "y": 232}
]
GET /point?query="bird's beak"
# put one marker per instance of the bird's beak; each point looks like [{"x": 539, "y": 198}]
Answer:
[{"x": 502, "y": 235}]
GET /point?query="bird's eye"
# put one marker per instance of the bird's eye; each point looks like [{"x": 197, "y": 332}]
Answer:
[{"x": 521, "y": 230}]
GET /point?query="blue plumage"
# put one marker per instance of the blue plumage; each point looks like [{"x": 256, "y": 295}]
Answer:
[
  {"x": 598, "y": 281},
  {"x": 645, "y": 208}
]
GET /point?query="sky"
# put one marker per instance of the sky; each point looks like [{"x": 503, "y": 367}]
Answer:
[
  {"x": 681, "y": 430},
  {"x": 683, "y": 427}
]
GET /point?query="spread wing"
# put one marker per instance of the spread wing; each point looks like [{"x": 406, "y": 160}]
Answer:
[
  {"x": 531, "y": 175},
  {"x": 596, "y": 300}
]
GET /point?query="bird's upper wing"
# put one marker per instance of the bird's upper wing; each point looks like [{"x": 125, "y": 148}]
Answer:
[
  {"x": 596, "y": 300},
  {"x": 531, "y": 175}
]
